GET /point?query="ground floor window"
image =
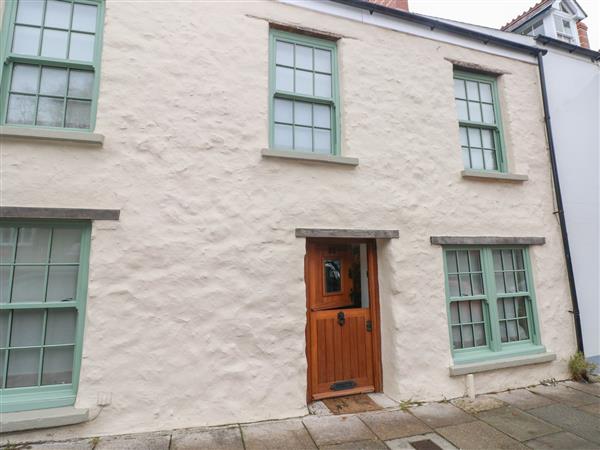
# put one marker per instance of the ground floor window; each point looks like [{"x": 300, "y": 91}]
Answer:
[
  {"x": 491, "y": 303},
  {"x": 43, "y": 285}
]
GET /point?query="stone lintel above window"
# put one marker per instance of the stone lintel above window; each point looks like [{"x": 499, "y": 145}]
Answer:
[{"x": 487, "y": 240}]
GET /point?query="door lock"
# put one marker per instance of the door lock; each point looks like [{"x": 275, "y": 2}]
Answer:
[
  {"x": 369, "y": 326},
  {"x": 341, "y": 318}
]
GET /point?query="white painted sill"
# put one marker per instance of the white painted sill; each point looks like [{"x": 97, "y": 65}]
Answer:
[
  {"x": 498, "y": 176},
  {"x": 524, "y": 360},
  {"x": 310, "y": 157},
  {"x": 82, "y": 137},
  {"x": 42, "y": 418}
]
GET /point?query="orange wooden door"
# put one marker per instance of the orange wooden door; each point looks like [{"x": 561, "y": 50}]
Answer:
[{"x": 341, "y": 350}]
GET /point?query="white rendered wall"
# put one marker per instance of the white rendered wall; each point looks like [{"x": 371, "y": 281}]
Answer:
[
  {"x": 196, "y": 310},
  {"x": 574, "y": 99}
]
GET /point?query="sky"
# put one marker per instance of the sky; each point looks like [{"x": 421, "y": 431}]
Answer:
[{"x": 495, "y": 13}]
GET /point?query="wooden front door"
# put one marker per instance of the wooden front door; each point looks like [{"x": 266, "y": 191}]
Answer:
[{"x": 343, "y": 334}]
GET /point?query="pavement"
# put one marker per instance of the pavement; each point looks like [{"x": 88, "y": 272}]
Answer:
[{"x": 563, "y": 416}]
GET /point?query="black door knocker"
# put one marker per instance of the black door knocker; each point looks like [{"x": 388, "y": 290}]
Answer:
[{"x": 341, "y": 318}]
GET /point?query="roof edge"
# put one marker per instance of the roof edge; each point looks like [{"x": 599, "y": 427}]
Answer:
[
  {"x": 571, "y": 48},
  {"x": 436, "y": 24}
]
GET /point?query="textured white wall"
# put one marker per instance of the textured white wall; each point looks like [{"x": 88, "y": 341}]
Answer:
[
  {"x": 196, "y": 308},
  {"x": 574, "y": 99}
]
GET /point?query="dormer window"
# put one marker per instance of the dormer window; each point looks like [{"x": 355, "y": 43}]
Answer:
[
  {"x": 564, "y": 30},
  {"x": 535, "y": 29}
]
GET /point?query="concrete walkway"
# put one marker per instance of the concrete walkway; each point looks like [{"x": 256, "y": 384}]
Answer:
[{"x": 561, "y": 416}]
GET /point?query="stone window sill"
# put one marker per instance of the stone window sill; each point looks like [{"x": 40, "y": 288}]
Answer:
[
  {"x": 523, "y": 360},
  {"x": 82, "y": 137},
  {"x": 42, "y": 418},
  {"x": 498, "y": 176},
  {"x": 310, "y": 157}
]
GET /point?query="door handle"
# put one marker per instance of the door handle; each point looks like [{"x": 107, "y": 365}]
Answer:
[{"x": 341, "y": 318}]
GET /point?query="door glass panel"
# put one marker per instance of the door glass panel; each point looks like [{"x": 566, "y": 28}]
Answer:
[
  {"x": 23, "y": 366},
  {"x": 58, "y": 365},
  {"x": 333, "y": 275}
]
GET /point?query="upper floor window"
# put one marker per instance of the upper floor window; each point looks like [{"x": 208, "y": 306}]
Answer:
[
  {"x": 564, "y": 30},
  {"x": 50, "y": 72},
  {"x": 480, "y": 127},
  {"x": 534, "y": 30},
  {"x": 304, "y": 101}
]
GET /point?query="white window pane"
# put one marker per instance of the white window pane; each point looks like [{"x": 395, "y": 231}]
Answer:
[
  {"x": 497, "y": 259},
  {"x": 507, "y": 261},
  {"x": 479, "y": 335},
  {"x": 488, "y": 139},
  {"x": 477, "y": 284},
  {"x": 461, "y": 109},
  {"x": 512, "y": 330},
  {"x": 465, "y": 285},
  {"x": 4, "y": 283},
  {"x": 500, "y": 283},
  {"x": 54, "y": 44},
  {"x": 509, "y": 308},
  {"x": 84, "y": 17},
  {"x": 82, "y": 47},
  {"x": 463, "y": 136},
  {"x": 53, "y": 81},
  {"x": 521, "y": 310},
  {"x": 21, "y": 109},
  {"x": 27, "y": 328},
  {"x": 475, "y": 260},
  {"x": 509, "y": 280},
  {"x": 303, "y": 138},
  {"x": 283, "y": 137},
  {"x": 58, "y": 365},
  {"x": 489, "y": 159},
  {"x": 284, "y": 53},
  {"x": 50, "y": 112},
  {"x": 488, "y": 113},
  {"x": 474, "y": 112},
  {"x": 322, "y": 118},
  {"x": 459, "y": 89},
  {"x": 30, "y": 12},
  {"x": 467, "y": 336},
  {"x": 456, "y": 339},
  {"x": 304, "y": 57},
  {"x": 322, "y": 85},
  {"x": 62, "y": 283},
  {"x": 26, "y": 40},
  {"x": 32, "y": 246},
  {"x": 454, "y": 313},
  {"x": 476, "y": 159},
  {"x": 451, "y": 262},
  {"x": 66, "y": 244},
  {"x": 472, "y": 91},
  {"x": 284, "y": 79},
  {"x": 453, "y": 285},
  {"x": 78, "y": 114},
  {"x": 519, "y": 259},
  {"x": 463, "y": 261},
  {"x": 81, "y": 84},
  {"x": 25, "y": 78},
  {"x": 58, "y": 14},
  {"x": 23, "y": 367},
  {"x": 304, "y": 82},
  {"x": 464, "y": 311},
  {"x": 486, "y": 92},
  {"x": 474, "y": 137},
  {"x": 283, "y": 111},
  {"x": 322, "y": 141},
  {"x": 28, "y": 284},
  {"x": 322, "y": 60},
  {"x": 60, "y": 326},
  {"x": 303, "y": 113},
  {"x": 4, "y": 328},
  {"x": 523, "y": 329},
  {"x": 466, "y": 157},
  {"x": 477, "y": 311}
]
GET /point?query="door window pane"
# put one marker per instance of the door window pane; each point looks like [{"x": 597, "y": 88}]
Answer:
[{"x": 333, "y": 275}]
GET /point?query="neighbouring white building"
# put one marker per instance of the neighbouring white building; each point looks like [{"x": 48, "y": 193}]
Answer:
[{"x": 218, "y": 212}]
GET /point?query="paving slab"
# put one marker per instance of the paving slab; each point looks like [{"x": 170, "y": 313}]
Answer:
[
  {"x": 318, "y": 408},
  {"x": 405, "y": 443},
  {"x": 523, "y": 399},
  {"x": 327, "y": 430},
  {"x": 360, "y": 445},
  {"x": 441, "y": 414},
  {"x": 592, "y": 409},
  {"x": 563, "y": 394},
  {"x": 393, "y": 424},
  {"x": 590, "y": 388},
  {"x": 481, "y": 403},
  {"x": 288, "y": 434},
  {"x": 478, "y": 435},
  {"x": 228, "y": 438},
  {"x": 517, "y": 424},
  {"x": 146, "y": 441},
  {"x": 561, "y": 441},
  {"x": 82, "y": 444},
  {"x": 383, "y": 400},
  {"x": 570, "y": 419}
]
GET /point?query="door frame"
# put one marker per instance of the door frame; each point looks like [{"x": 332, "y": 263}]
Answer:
[{"x": 373, "y": 286}]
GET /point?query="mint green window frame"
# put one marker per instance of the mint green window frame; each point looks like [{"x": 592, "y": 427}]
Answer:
[
  {"x": 474, "y": 127},
  {"x": 494, "y": 347},
  {"x": 8, "y": 59},
  {"x": 278, "y": 94},
  {"x": 51, "y": 395}
]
